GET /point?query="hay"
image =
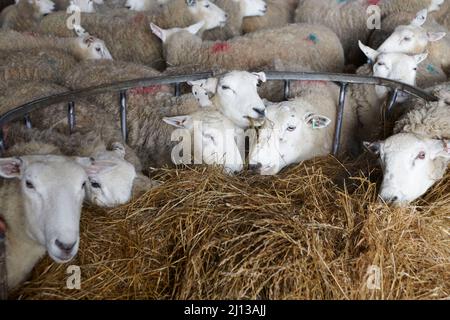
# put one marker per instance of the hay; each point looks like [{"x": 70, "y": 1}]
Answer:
[{"x": 310, "y": 233}]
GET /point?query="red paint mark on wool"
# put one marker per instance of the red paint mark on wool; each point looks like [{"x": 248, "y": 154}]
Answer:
[
  {"x": 373, "y": 2},
  {"x": 146, "y": 90},
  {"x": 139, "y": 18},
  {"x": 220, "y": 47}
]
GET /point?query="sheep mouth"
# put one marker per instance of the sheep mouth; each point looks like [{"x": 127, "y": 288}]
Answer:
[
  {"x": 263, "y": 11},
  {"x": 223, "y": 23}
]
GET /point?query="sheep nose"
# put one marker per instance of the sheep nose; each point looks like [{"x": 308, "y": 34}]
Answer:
[
  {"x": 265, "y": 7},
  {"x": 128, "y": 7},
  {"x": 260, "y": 112},
  {"x": 66, "y": 247},
  {"x": 255, "y": 167},
  {"x": 226, "y": 15}
]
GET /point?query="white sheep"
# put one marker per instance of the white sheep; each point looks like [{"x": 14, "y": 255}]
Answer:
[
  {"x": 279, "y": 13},
  {"x": 301, "y": 129},
  {"x": 41, "y": 206},
  {"x": 237, "y": 11},
  {"x": 369, "y": 99},
  {"x": 315, "y": 46},
  {"x": 417, "y": 155},
  {"x": 208, "y": 137},
  {"x": 418, "y": 37},
  {"x": 143, "y": 5},
  {"x": 85, "y": 6},
  {"x": 25, "y": 15},
  {"x": 129, "y": 37},
  {"x": 82, "y": 48}
]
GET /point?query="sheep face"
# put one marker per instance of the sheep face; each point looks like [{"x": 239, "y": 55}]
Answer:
[
  {"x": 45, "y": 6},
  {"x": 201, "y": 95},
  {"x": 395, "y": 66},
  {"x": 93, "y": 48},
  {"x": 411, "y": 39},
  {"x": 86, "y": 6},
  {"x": 52, "y": 192},
  {"x": 213, "y": 138},
  {"x": 113, "y": 186},
  {"x": 252, "y": 8},
  {"x": 411, "y": 165},
  {"x": 237, "y": 96},
  {"x": 208, "y": 12},
  {"x": 291, "y": 133}
]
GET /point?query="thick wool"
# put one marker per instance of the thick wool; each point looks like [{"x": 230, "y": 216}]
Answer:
[
  {"x": 311, "y": 45},
  {"x": 279, "y": 14},
  {"x": 40, "y": 64},
  {"x": 22, "y": 16}
]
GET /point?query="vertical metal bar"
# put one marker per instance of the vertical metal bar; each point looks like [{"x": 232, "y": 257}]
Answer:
[
  {"x": 27, "y": 121},
  {"x": 71, "y": 116},
  {"x": 392, "y": 101},
  {"x": 3, "y": 274},
  {"x": 2, "y": 142},
  {"x": 123, "y": 114},
  {"x": 177, "y": 89},
  {"x": 287, "y": 89},
  {"x": 339, "y": 119}
]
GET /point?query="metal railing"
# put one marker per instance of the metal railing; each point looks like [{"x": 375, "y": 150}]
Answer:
[{"x": 71, "y": 97}]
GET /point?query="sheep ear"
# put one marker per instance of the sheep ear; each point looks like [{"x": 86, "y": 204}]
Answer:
[
  {"x": 435, "y": 36},
  {"x": 261, "y": 76},
  {"x": 316, "y": 121},
  {"x": 420, "y": 57},
  {"x": 193, "y": 29},
  {"x": 373, "y": 147},
  {"x": 159, "y": 32},
  {"x": 420, "y": 18},
  {"x": 441, "y": 149},
  {"x": 368, "y": 51},
  {"x": 11, "y": 168},
  {"x": 435, "y": 5},
  {"x": 210, "y": 84},
  {"x": 178, "y": 121},
  {"x": 191, "y": 3}
]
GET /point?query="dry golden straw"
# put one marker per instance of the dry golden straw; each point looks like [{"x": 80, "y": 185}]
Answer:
[{"x": 310, "y": 233}]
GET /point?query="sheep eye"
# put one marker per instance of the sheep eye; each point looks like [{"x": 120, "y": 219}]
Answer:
[
  {"x": 95, "y": 185},
  {"x": 259, "y": 84},
  {"x": 83, "y": 186},
  {"x": 381, "y": 63},
  {"x": 421, "y": 156},
  {"x": 407, "y": 38},
  {"x": 415, "y": 69},
  {"x": 207, "y": 6},
  {"x": 226, "y": 88},
  {"x": 29, "y": 185},
  {"x": 291, "y": 128},
  {"x": 98, "y": 49}
]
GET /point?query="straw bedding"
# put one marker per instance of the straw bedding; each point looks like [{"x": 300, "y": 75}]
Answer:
[{"x": 310, "y": 233}]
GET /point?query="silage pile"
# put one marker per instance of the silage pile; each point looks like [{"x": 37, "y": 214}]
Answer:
[{"x": 312, "y": 232}]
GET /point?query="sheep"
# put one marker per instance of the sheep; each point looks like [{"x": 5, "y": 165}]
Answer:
[
  {"x": 316, "y": 46},
  {"x": 129, "y": 37},
  {"x": 301, "y": 129},
  {"x": 368, "y": 99},
  {"x": 82, "y": 48},
  {"x": 279, "y": 14},
  {"x": 417, "y": 155},
  {"x": 215, "y": 140},
  {"x": 25, "y": 15},
  {"x": 148, "y": 135},
  {"x": 388, "y": 7},
  {"x": 238, "y": 11},
  {"x": 41, "y": 206},
  {"x": 112, "y": 187},
  {"x": 417, "y": 37}
]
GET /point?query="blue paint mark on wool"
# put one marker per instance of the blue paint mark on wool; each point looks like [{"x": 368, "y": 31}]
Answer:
[{"x": 313, "y": 37}]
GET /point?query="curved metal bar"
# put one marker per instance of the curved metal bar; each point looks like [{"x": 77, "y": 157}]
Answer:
[
  {"x": 71, "y": 116},
  {"x": 123, "y": 114}
]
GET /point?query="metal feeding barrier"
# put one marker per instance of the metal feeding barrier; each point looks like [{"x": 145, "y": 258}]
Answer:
[{"x": 71, "y": 97}]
